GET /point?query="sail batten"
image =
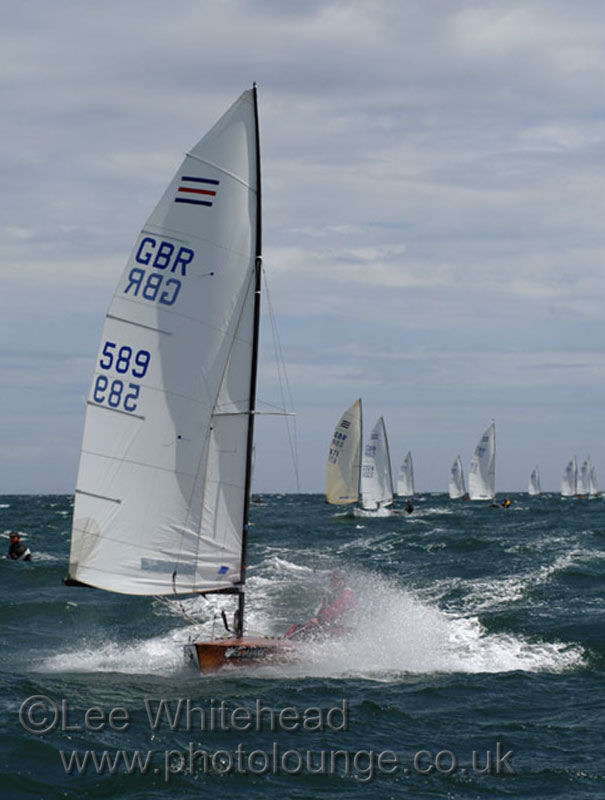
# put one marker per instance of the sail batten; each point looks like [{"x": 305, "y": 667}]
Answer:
[{"x": 179, "y": 342}]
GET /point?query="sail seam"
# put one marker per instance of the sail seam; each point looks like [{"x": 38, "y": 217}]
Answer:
[
  {"x": 115, "y": 410},
  {"x": 138, "y": 324},
  {"x": 222, "y": 170}
]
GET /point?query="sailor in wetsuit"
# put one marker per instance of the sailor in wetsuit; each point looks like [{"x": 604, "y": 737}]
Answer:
[
  {"x": 17, "y": 551},
  {"x": 338, "y": 605},
  {"x": 335, "y": 615}
]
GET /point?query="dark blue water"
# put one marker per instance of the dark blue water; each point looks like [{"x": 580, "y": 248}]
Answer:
[{"x": 476, "y": 671}]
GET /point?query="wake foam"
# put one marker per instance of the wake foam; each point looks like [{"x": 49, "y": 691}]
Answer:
[{"x": 397, "y": 634}]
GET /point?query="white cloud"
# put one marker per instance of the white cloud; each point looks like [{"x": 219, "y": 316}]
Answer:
[{"x": 432, "y": 192}]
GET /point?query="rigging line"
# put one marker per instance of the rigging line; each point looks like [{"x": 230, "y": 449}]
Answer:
[
  {"x": 201, "y": 469},
  {"x": 186, "y": 615},
  {"x": 282, "y": 376}
]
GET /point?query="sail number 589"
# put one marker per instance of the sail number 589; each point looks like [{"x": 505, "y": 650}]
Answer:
[
  {"x": 115, "y": 394},
  {"x": 124, "y": 360}
]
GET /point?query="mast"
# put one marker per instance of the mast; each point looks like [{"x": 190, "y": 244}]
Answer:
[
  {"x": 359, "y": 499},
  {"x": 239, "y": 621},
  {"x": 388, "y": 452}
]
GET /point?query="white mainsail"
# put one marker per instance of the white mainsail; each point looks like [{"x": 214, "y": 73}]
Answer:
[
  {"x": 344, "y": 458},
  {"x": 376, "y": 477},
  {"x": 482, "y": 471},
  {"x": 405, "y": 479},
  {"x": 457, "y": 487},
  {"x": 569, "y": 483},
  {"x": 163, "y": 483},
  {"x": 534, "y": 482},
  {"x": 583, "y": 485},
  {"x": 593, "y": 485}
]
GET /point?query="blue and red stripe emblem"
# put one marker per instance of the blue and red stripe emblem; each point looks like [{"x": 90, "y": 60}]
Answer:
[
  {"x": 345, "y": 423},
  {"x": 196, "y": 191}
]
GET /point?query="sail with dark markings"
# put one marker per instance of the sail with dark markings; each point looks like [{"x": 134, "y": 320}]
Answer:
[
  {"x": 161, "y": 496},
  {"x": 482, "y": 471}
]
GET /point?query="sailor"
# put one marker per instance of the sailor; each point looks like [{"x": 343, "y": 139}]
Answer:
[
  {"x": 339, "y": 604},
  {"x": 409, "y": 507},
  {"x": 336, "y": 612},
  {"x": 17, "y": 551}
]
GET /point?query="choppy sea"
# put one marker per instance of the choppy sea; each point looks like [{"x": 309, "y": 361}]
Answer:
[{"x": 477, "y": 669}]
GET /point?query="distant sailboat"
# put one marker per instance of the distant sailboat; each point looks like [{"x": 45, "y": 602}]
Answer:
[
  {"x": 583, "y": 485},
  {"x": 343, "y": 472},
  {"x": 482, "y": 472},
  {"x": 587, "y": 480},
  {"x": 534, "y": 482},
  {"x": 351, "y": 477},
  {"x": 376, "y": 484},
  {"x": 569, "y": 483},
  {"x": 457, "y": 487},
  {"x": 593, "y": 486},
  {"x": 405, "y": 479}
]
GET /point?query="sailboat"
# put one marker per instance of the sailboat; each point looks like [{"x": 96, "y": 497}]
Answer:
[
  {"x": 583, "y": 485},
  {"x": 593, "y": 485},
  {"x": 534, "y": 482},
  {"x": 376, "y": 483},
  {"x": 353, "y": 477},
  {"x": 163, "y": 488},
  {"x": 482, "y": 471},
  {"x": 587, "y": 485},
  {"x": 457, "y": 487},
  {"x": 343, "y": 473},
  {"x": 569, "y": 482},
  {"x": 405, "y": 479}
]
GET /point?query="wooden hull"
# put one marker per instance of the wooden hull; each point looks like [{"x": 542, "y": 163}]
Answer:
[{"x": 246, "y": 651}]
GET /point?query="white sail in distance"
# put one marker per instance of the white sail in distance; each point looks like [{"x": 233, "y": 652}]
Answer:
[
  {"x": 482, "y": 471},
  {"x": 344, "y": 458},
  {"x": 376, "y": 476},
  {"x": 457, "y": 487},
  {"x": 164, "y": 469},
  {"x": 583, "y": 485},
  {"x": 593, "y": 485},
  {"x": 534, "y": 482},
  {"x": 569, "y": 482},
  {"x": 405, "y": 479}
]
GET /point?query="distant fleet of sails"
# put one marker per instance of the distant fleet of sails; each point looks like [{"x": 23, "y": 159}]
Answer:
[{"x": 361, "y": 474}]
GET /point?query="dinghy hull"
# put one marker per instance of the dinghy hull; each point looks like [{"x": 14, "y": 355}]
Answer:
[{"x": 215, "y": 654}]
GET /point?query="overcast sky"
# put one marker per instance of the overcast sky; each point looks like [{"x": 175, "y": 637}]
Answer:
[{"x": 434, "y": 216}]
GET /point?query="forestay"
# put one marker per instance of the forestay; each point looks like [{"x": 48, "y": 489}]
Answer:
[
  {"x": 161, "y": 487},
  {"x": 482, "y": 472}
]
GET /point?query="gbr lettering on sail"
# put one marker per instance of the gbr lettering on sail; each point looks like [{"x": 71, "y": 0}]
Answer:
[{"x": 160, "y": 268}]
